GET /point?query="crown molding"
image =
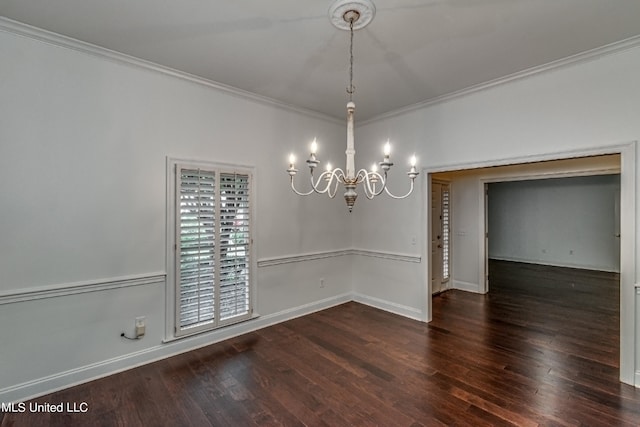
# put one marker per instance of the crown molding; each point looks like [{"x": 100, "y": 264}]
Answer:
[
  {"x": 49, "y": 37},
  {"x": 25, "y": 30},
  {"x": 568, "y": 61}
]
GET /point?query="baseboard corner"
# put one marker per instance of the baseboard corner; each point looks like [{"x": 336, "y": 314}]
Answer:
[{"x": 392, "y": 307}]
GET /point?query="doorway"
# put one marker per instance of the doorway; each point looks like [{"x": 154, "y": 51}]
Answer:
[
  {"x": 570, "y": 222},
  {"x": 469, "y": 255}
]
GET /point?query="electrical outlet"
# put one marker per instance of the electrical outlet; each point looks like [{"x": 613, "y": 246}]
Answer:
[
  {"x": 322, "y": 282},
  {"x": 140, "y": 326}
]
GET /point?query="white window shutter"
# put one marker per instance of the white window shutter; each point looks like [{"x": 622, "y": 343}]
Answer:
[
  {"x": 213, "y": 239},
  {"x": 234, "y": 245}
]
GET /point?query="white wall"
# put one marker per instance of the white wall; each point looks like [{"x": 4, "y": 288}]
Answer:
[
  {"x": 576, "y": 108},
  {"x": 83, "y": 147},
  {"x": 568, "y": 222}
]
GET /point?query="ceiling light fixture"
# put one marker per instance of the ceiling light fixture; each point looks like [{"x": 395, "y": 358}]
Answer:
[{"x": 351, "y": 15}]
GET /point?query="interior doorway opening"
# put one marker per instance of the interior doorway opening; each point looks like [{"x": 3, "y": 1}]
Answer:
[
  {"x": 469, "y": 242},
  {"x": 569, "y": 222}
]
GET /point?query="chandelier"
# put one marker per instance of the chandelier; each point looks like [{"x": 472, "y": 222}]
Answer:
[{"x": 350, "y": 15}]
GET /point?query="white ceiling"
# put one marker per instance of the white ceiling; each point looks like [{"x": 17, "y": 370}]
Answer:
[{"x": 413, "y": 51}]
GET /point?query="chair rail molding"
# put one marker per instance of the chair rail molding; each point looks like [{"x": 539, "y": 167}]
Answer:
[
  {"x": 52, "y": 291},
  {"x": 311, "y": 256}
]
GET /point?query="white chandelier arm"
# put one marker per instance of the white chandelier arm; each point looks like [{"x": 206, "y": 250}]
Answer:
[
  {"x": 369, "y": 179},
  {"x": 333, "y": 179},
  {"x": 399, "y": 197},
  {"x": 298, "y": 192},
  {"x": 337, "y": 177}
]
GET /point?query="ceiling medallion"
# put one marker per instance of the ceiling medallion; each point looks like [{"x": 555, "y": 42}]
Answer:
[{"x": 341, "y": 10}]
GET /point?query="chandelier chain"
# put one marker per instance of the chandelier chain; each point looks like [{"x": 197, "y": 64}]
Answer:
[{"x": 351, "y": 88}]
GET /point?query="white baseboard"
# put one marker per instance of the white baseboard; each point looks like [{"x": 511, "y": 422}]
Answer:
[
  {"x": 402, "y": 310},
  {"x": 466, "y": 286},
  {"x": 557, "y": 264},
  {"x": 62, "y": 380},
  {"x": 637, "y": 381}
]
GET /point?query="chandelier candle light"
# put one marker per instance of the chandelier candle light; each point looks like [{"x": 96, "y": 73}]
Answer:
[{"x": 351, "y": 15}]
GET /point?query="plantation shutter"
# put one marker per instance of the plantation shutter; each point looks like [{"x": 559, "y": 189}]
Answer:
[
  {"x": 234, "y": 245},
  {"x": 445, "y": 231},
  {"x": 212, "y": 248}
]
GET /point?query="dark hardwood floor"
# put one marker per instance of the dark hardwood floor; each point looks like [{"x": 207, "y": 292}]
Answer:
[{"x": 540, "y": 349}]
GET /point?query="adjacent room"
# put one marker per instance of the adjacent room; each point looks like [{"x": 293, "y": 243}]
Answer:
[{"x": 472, "y": 257}]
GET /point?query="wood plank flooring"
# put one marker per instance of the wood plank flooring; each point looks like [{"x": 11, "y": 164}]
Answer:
[{"x": 540, "y": 349}]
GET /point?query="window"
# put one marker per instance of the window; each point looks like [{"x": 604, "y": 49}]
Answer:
[{"x": 212, "y": 247}]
